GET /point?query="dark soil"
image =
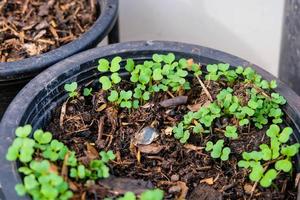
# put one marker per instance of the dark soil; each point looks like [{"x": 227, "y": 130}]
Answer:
[
  {"x": 32, "y": 27},
  {"x": 90, "y": 124}
]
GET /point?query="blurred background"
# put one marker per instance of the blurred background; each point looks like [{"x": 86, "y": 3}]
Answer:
[{"x": 248, "y": 29}]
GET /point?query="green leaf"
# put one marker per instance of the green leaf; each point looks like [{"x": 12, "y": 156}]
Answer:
[
  {"x": 113, "y": 96},
  {"x": 126, "y": 95},
  {"x": 49, "y": 191},
  {"x": 243, "y": 122},
  {"x": 71, "y": 87},
  {"x": 103, "y": 65},
  {"x": 257, "y": 172},
  {"x": 106, "y": 83},
  {"x": 155, "y": 194},
  {"x": 128, "y": 196},
  {"x": 273, "y": 131},
  {"x": 267, "y": 179},
  {"x": 81, "y": 171},
  {"x": 129, "y": 65},
  {"x": 30, "y": 182},
  {"x": 115, "y": 64},
  {"x": 115, "y": 78},
  {"x": 157, "y": 74},
  {"x": 285, "y": 134},
  {"x": 107, "y": 156},
  {"x": 169, "y": 58},
  {"x": 291, "y": 150},
  {"x": 87, "y": 92},
  {"x": 212, "y": 68},
  {"x": 185, "y": 137},
  {"x": 25, "y": 170},
  {"x": 252, "y": 104},
  {"x": 146, "y": 96},
  {"x": 135, "y": 104},
  {"x": 217, "y": 149},
  {"x": 273, "y": 84},
  {"x": 223, "y": 67},
  {"x": 231, "y": 132},
  {"x": 20, "y": 189},
  {"x": 244, "y": 164},
  {"x": 198, "y": 128},
  {"x": 225, "y": 153},
  {"x": 12, "y": 153},
  {"x": 23, "y": 131},
  {"x": 284, "y": 165},
  {"x": 157, "y": 58},
  {"x": 264, "y": 84},
  {"x": 239, "y": 70},
  {"x": 42, "y": 137}
]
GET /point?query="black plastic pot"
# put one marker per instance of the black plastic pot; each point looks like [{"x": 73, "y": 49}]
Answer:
[
  {"x": 14, "y": 75},
  {"x": 45, "y": 92}
]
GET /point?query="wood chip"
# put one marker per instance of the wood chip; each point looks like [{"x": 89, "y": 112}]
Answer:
[{"x": 209, "y": 181}]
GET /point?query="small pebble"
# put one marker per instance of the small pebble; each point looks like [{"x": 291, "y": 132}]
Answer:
[
  {"x": 146, "y": 136},
  {"x": 175, "y": 177}
]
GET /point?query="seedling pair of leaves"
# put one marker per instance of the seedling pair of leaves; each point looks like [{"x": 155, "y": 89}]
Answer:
[
  {"x": 218, "y": 150},
  {"x": 123, "y": 99},
  {"x": 215, "y": 71},
  {"x": 97, "y": 168},
  {"x": 71, "y": 88},
  {"x": 154, "y": 194},
  {"x": 113, "y": 67}
]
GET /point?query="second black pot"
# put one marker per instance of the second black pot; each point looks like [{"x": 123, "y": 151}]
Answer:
[{"x": 14, "y": 75}]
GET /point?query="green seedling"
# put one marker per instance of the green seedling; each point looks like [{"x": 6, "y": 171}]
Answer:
[
  {"x": 106, "y": 83},
  {"x": 71, "y": 89},
  {"x": 114, "y": 66},
  {"x": 283, "y": 165},
  {"x": 217, "y": 150},
  {"x": 114, "y": 96},
  {"x": 274, "y": 132},
  {"x": 125, "y": 99},
  {"x": 72, "y": 160},
  {"x": 79, "y": 172},
  {"x": 180, "y": 134},
  {"x": 268, "y": 178},
  {"x": 87, "y": 92},
  {"x": 231, "y": 132},
  {"x": 107, "y": 156},
  {"x": 22, "y": 147},
  {"x": 56, "y": 150}
]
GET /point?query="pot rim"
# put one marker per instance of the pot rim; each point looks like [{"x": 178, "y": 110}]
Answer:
[
  {"x": 16, "y": 70},
  {"x": 14, "y": 116}
]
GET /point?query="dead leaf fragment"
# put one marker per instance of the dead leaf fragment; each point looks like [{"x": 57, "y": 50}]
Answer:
[
  {"x": 193, "y": 147},
  {"x": 91, "y": 152},
  {"x": 209, "y": 181},
  {"x": 168, "y": 130}
]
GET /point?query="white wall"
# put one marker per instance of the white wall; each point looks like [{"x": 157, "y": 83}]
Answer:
[{"x": 250, "y": 29}]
